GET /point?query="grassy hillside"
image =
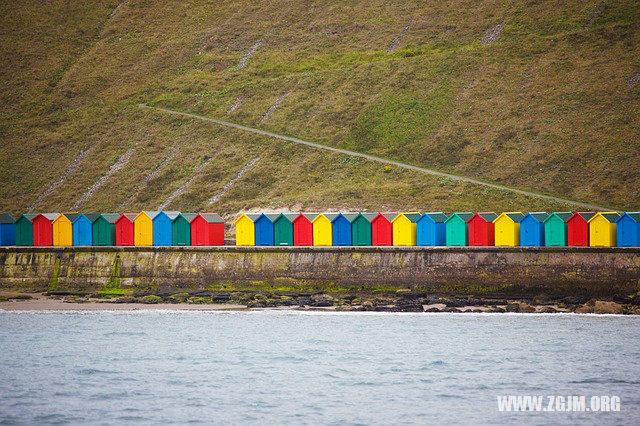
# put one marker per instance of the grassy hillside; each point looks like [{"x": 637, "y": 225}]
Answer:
[{"x": 536, "y": 95}]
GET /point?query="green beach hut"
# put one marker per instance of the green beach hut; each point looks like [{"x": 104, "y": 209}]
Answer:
[
  {"x": 103, "y": 228},
  {"x": 283, "y": 229},
  {"x": 457, "y": 233},
  {"x": 555, "y": 229},
  {"x": 24, "y": 230},
  {"x": 361, "y": 229},
  {"x": 181, "y": 229}
]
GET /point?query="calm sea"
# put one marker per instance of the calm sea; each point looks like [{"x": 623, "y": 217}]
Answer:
[{"x": 300, "y": 368}]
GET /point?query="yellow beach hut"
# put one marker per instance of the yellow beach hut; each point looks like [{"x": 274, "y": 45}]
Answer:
[
  {"x": 404, "y": 228},
  {"x": 143, "y": 229},
  {"x": 507, "y": 229},
  {"x": 322, "y": 230},
  {"x": 602, "y": 229},
  {"x": 245, "y": 229},
  {"x": 63, "y": 230}
]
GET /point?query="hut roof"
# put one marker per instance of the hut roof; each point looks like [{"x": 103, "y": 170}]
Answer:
[
  {"x": 633, "y": 215},
  {"x": 310, "y": 216},
  {"x": 50, "y": 216},
  {"x": 465, "y": 216},
  {"x": 369, "y": 216},
  {"x": 562, "y": 215},
  {"x": 288, "y": 216},
  {"x": 92, "y": 216},
  {"x": 6, "y": 218},
  {"x": 488, "y": 216},
  {"x": 212, "y": 217},
  {"x": 539, "y": 216},
  {"x": 609, "y": 216},
  {"x": 73, "y": 216},
  {"x": 437, "y": 217},
  {"x": 111, "y": 217},
  {"x": 28, "y": 216}
]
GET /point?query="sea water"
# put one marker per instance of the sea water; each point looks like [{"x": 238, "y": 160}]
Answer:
[{"x": 290, "y": 367}]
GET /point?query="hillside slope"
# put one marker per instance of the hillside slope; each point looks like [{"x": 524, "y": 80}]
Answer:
[{"x": 537, "y": 95}]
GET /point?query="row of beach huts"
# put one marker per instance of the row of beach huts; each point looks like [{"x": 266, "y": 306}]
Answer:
[{"x": 170, "y": 228}]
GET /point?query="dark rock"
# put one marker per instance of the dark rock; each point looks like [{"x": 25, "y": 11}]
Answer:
[
  {"x": 433, "y": 310},
  {"x": 321, "y": 304},
  {"x": 450, "y": 310},
  {"x": 547, "y": 310},
  {"x": 453, "y": 303},
  {"x": 498, "y": 311},
  {"x": 513, "y": 307}
]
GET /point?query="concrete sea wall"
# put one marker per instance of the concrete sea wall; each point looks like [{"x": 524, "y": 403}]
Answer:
[{"x": 501, "y": 272}]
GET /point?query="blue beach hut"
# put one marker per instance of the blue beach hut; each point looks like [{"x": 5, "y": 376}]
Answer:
[
  {"x": 264, "y": 229},
  {"x": 82, "y": 229},
  {"x": 162, "y": 228},
  {"x": 628, "y": 229},
  {"x": 431, "y": 229},
  {"x": 532, "y": 229},
  {"x": 7, "y": 230},
  {"x": 341, "y": 229}
]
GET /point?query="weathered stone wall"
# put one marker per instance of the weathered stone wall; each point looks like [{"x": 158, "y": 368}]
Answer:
[{"x": 503, "y": 272}]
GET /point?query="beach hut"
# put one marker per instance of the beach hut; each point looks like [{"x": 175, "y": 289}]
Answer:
[
  {"x": 24, "y": 230},
  {"x": 457, "y": 233},
  {"x": 555, "y": 229},
  {"x": 628, "y": 230},
  {"x": 82, "y": 229},
  {"x": 162, "y": 228},
  {"x": 322, "y": 229},
  {"x": 43, "y": 229},
  {"x": 431, "y": 229},
  {"x": 481, "y": 229},
  {"x": 532, "y": 229},
  {"x": 125, "y": 229},
  {"x": 578, "y": 228},
  {"x": 507, "y": 229},
  {"x": 181, "y": 229},
  {"x": 602, "y": 229},
  {"x": 245, "y": 229},
  {"x": 283, "y": 229},
  {"x": 404, "y": 228},
  {"x": 207, "y": 229},
  {"x": 103, "y": 228},
  {"x": 341, "y": 229},
  {"x": 303, "y": 229},
  {"x": 361, "y": 232},
  {"x": 382, "y": 230},
  {"x": 7, "y": 230},
  {"x": 143, "y": 228},
  {"x": 264, "y": 229},
  {"x": 63, "y": 229}
]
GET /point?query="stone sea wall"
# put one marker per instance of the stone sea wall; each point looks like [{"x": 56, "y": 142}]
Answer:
[{"x": 513, "y": 272}]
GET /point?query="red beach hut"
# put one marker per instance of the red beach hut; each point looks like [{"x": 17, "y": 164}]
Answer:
[
  {"x": 382, "y": 230},
  {"x": 303, "y": 229},
  {"x": 43, "y": 229},
  {"x": 125, "y": 235},
  {"x": 207, "y": 229},
  {"x": 578, "y": 228},
  {"x": 481, "y": 229}
]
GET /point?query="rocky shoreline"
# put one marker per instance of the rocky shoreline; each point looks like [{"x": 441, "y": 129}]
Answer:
[{"x": 400, "y": 302}]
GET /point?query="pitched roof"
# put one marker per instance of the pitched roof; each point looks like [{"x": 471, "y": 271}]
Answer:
[
  {"x": 514, "y": 216},
  {"x": 310, "y": 216},
  {"x": 437, "y": 217},
  {"x": 633, "y": 215},
  {"x": 412, "y": 216},
  {"x": 271, "y": 216},
  {"x": 170, "y": 214},
  {"x": 130, "y": 216},
  {"x": 465, "y": 216},
  {"x": 561, "y": 215},
  {"x": 321, "y": 215},
  {"x": 92, "y": 216},
  {"x": 212, "y": 217},
  {"x": 188, "y": 216},
  {"x": 72, "y": 216},
  {"x": 51, "y": 216},
  {"x": 150, "y": 214},
  {"x": 368, "y": 216},
  {"x": 585, "y": 215},
  {"x": 330, "y": 216},
  {"x": 289, "y": 216},
  {"x": 111, "y": 217},
  {"x": 609, "y": 216},
  {"x": 6, "y": 218},
  {"x": 488, "y": 216},
  {"x": 28, "y": 216},
  {"x": 539, "y": 216}
]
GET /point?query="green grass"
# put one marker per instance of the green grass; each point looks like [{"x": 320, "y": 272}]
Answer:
[{"x": 547, "y": 107}]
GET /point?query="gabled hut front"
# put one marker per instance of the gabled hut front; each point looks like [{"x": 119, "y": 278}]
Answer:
[
  {"x": 43, "y": 229},
  {"x": 602, "y": 229},
  {"x": 323, "y": 229},
  {"x": 361, "y": 229},
  {"x": 303, "y": 229},
  {"x": 341, "y": 227},
  {"x": 578, "y": 228},
  {"x": 431, "y": 229},
  {"x": 7, "y": 230},
  {"x": 264, "y": 229},
  {"x": 555, "y": 229},
  {"x": 181, "y": 229},
  {"x": 404, "y": 229},
  {"x": 283, "y": 229},
  {"x": 103, "y": 227},
  {"x": 162, "y": 227},
  {"x": 246, "y": 229},
  {"x": 63, "y": 229},
  {"x": 82, "y": 230},
  {"x": 382, "y": 229},
  {"x": 532, "y": 229},
  {"x": 457, "y": 233},
  {"x": 24, "y": 230},
  {"x": 125, "y": 229},
  {"x": 481, "y": 229},
  {"x": 628, "y": 229},
  {"x": 507, "y": 229},
  {"x": 143, "y": 228}
]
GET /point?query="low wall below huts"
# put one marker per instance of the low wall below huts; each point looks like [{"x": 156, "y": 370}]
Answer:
[{"x": 502, "y": 272}]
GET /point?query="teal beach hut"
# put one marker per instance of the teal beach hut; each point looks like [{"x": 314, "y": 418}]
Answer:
[
  {"x": 457, "y": 231},
  {"x": 431, "y": 229},
  {"x": 283, "y": 229},
  {"x": 24, "y": 230},
  {"x": 555, "y": 229},
  {"x": 361, "y": 229},
  {"x": 181, "y": 229},
  {"x": 7, "y": 230}
]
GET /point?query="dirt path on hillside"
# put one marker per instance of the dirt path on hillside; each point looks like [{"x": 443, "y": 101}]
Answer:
[{"x": 378, "y": 159}]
